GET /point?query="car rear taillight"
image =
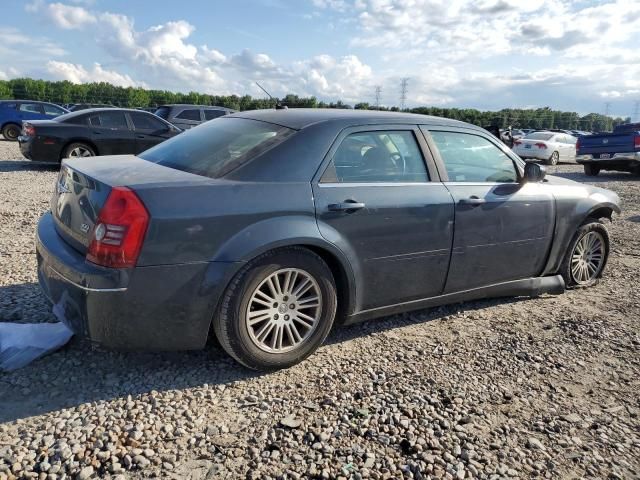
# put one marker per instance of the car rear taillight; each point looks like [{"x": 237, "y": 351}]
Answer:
[
  {"x": 541, "y": 145},
  {"x": 119, "y": 230},
  {"x": 517, "y": 142},
  {"x": 28, "y": 130},
  {"x": 578, "y": 144},
  {"x": 636, "y": 142}
]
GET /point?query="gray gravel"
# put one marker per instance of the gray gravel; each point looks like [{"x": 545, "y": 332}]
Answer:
[{"x": 491, "y": 389}]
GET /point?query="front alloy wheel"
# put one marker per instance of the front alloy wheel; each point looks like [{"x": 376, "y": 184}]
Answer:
[
  {"x": 587, "y": 258},
  {"x": 587, "y": 255}
]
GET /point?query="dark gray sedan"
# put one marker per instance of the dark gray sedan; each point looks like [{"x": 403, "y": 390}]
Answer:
[{"x": 268, "y": 227}]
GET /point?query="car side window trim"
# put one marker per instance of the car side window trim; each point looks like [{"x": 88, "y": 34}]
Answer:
[
  {"x": 426, "y": 129},
  {"x": 432, "y": 172}
]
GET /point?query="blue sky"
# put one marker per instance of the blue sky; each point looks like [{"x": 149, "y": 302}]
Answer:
[{"x": 488, "y": 54}]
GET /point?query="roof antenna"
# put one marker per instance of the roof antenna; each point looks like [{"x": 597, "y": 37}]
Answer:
[{"x": 279, "y": 106}]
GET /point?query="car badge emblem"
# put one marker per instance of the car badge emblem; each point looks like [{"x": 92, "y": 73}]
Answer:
[
  {"x": 605, "y": 140},
  {"x": 84, "y": 227}
]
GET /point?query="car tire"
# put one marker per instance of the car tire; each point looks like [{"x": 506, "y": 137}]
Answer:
[
  {"x": 553, "y": 159},
  {"x": 268, "y": 340},
  {"x": 11, "y": 132},
  {"x": 591, "y": 170},
  {"x": 586, "y": 256},
  {"x": 78, "y": 150}
]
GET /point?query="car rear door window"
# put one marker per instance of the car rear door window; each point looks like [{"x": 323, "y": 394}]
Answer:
[
  {"x": 472, "y": 158},
  {"x": 377, "y": 157},
  {"x": 30, "y": 107},
  {"x": 113, "y": 120},
  {"x": 191, "y": 114},
  {"x": 211, "y": 114},
  {"x": 142, "y": 121}
]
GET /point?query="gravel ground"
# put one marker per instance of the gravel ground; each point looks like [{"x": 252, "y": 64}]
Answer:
[{"x": 544, "y": 387}]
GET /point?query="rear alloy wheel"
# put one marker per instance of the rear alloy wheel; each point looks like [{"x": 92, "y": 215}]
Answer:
[
  {"x": 587, "y": 256},
  {"x": 78, "y": 150},
  {"x": 591, "y": 170},
  {"x": 277, "y": 310},
  {"x": 11, "y": 132},
  {"x": 553, "y": 159}
]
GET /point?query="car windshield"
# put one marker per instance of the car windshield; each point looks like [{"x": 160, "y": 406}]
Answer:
[
  {"x": 217, "y": 147},
  {"x": 539, "y": 136}
]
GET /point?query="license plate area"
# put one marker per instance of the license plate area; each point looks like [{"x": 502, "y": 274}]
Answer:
[{"x": 605, "y": 155}]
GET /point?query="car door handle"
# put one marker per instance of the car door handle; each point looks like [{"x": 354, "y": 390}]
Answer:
[
  {"x": 141, "y": 136},
  {"x": 346, "y": 206},
  {"x": 97, "y": 132},
  {"x": 473, "y": 200}
]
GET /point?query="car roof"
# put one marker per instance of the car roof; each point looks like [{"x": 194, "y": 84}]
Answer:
[
  {"x": 299, "y": 118},
  {"x": 110, "y": 110},
  {"x": 211, "y": 107}
]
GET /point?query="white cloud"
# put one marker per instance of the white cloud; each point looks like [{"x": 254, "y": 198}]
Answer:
[
  {"x": 68, "y": 17},
  {"x": 78, "y": 74}
]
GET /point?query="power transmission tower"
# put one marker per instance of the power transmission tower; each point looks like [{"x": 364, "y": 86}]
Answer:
[
  {"x": 636, "y": 111},
  {"x": 607, "y": 108},
  {"x": 378, "y": 91},
  {"x": 404, "y": 83}
]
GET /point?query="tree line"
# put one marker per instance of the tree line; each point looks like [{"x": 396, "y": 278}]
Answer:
[{"x": 65, "y": 92}]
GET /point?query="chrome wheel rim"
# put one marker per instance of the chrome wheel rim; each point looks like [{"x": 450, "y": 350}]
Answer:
[
  {"x": 587, "y": 258},
  {"x": 554, "y": 158},
  {"x": 284, "y": 310},
  {"x": 80, "y": 152}
]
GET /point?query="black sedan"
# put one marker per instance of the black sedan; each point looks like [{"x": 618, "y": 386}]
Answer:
[
  {"x": 98, "y": 131},
  {"x": 267, "y": 227}
]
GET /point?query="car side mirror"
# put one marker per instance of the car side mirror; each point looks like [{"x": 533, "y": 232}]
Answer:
[{"x": 534, "y": 172}]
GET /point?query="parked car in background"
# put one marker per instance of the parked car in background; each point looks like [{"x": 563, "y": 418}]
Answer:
[
  {"x": 84, "y": 106},
  {"x": 618, "y": 151},
  {"x": 87, "y": 133},
  {"x": 14, "y": 112},
  {"x": 547, "y": 146},
  {"x": 189, "y": 116},
  {"x": 265, "y": 227}
]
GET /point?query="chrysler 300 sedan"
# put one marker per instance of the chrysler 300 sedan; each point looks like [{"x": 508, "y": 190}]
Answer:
[{"x": 265, "y": 228}]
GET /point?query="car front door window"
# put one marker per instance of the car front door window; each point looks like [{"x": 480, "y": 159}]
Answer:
[{"x": 472, "y": 158}]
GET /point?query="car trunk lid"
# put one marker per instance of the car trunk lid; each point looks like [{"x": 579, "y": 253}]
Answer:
[{"x": 83, "y": 186}]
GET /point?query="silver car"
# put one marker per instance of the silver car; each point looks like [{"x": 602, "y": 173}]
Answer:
[{"x": 549, "y": 147}]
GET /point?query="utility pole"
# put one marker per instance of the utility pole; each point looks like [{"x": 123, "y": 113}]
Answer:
[
  {"x": 636, "y": 111},
  {"x": 404, "y": 83},
  {"x": 607, "y": 108},
  {"x": 378, "y": 91}
]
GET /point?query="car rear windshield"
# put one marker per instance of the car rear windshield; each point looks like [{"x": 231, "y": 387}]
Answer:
[
  {"x": 217, "y": 147},
  {"x": 163, "y": 112},
  {"x": 539, "y": 136}
]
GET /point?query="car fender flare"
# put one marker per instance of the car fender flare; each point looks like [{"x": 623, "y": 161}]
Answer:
[
  {"x": 589, "y": 207},
  {"x": 11, "y": 122},
  {"x": 287, "y": 231}
]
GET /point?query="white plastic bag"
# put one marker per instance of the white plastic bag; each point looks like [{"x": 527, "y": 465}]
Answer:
[{"x": 22, "y": 343}]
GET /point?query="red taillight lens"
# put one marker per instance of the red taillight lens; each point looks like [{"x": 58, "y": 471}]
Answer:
[
  {"x": 636, "y": 142},
  {"x": 578, "y": 145},
  {"x": 541, "y": 145},
  {"x": 517, "y": 142},
  {"x": 119, "y": 230},
  {"x": 28, "y": 130}
]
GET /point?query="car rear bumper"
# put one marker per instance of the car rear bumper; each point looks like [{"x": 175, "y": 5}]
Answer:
[
  {"x": 532, "y": 155},
  {"x": 167, "y": 307},
  {"x": 38, "y": 151},
  {"x": 623, "y": 157}
]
